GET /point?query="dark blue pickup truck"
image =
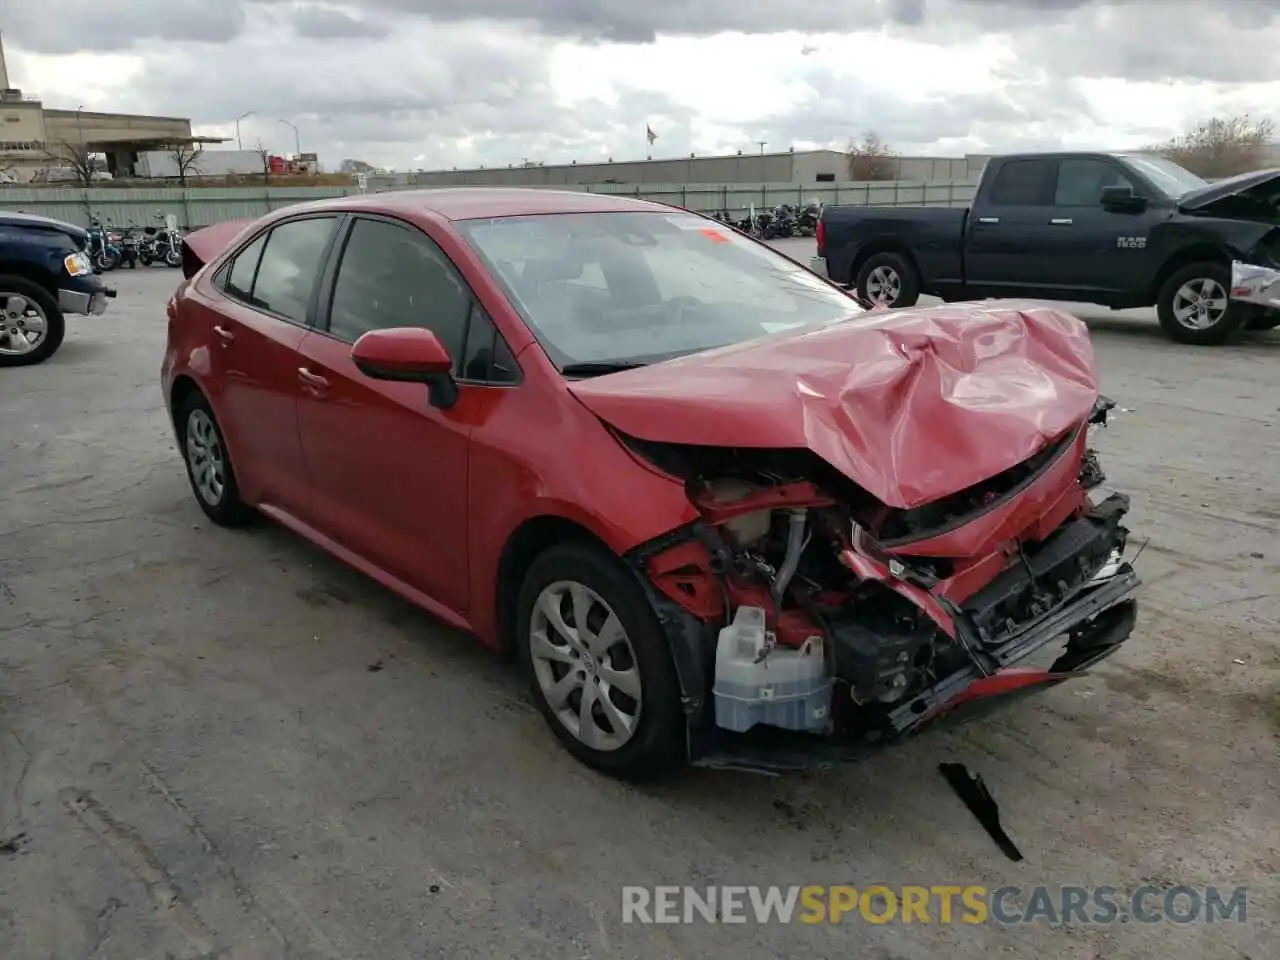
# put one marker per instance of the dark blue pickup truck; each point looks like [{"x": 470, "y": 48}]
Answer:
[
  {"x": 44, "y": 275},
  {"x": 1121, "y": 230}
]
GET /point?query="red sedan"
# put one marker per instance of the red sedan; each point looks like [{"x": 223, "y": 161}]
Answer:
[{"x": 719, "y": 512}]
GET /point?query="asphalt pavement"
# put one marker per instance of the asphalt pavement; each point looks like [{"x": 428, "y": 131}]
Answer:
[{"x": 226, "y": 743}]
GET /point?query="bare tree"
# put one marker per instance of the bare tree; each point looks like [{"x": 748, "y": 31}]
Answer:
[
  {"x": 1221, "y": 146},
  {"x": 871, "y": 159},
  {"x": 355, "y": 166},
  {"x": 77, "y": 156},
  {"x": 186, "y": 157},
  {"x": 264, "y": 155}
]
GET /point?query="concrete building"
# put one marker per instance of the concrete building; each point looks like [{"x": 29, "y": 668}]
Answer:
[
  {"x": 799, "y": 166},
  {"x": 794, "y": 166},
  {"x": 35, "y": 139}
]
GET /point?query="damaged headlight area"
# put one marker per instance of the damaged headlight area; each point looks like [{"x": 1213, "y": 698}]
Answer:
[{"x": 826, "y": 613}]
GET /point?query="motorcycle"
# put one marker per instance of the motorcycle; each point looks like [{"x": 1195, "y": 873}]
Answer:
[
  {"x": 129, "y": 244},
  {"x": 807, "y": 226},
  {"x": 103, "y": 252},
  {"x": 781, "y": 223},
  {"x": 161, "y": 245}
]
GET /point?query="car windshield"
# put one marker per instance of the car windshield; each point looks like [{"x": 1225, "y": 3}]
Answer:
[
  {"x": 602, "y": 291},
  {"x": 1172, "y": 180}
]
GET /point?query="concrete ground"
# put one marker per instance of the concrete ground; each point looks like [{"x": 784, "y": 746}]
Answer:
[{"x": 226, "y": 742}]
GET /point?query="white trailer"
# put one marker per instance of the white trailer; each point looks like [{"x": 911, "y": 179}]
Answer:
[{"x": 163, "y": 164}]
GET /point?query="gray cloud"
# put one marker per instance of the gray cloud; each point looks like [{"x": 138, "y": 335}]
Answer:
[
  {"x": 465, "y": 81},
  {"x": 333, "y": 23},
  {"x": 72, "y": 26}
]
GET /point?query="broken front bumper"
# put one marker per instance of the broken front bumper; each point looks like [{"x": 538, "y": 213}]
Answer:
[
  {"x": 85, "y": 303},
  {"x": 1098, "y": 619},
  {"x": 1251, "y": 283}
]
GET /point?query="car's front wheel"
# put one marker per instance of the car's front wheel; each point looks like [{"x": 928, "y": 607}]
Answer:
[
  {"x": 31, "y": 325},
  {"x": 1194, "y": 307},
  {"x": 599, "y": 663},
  {"x": 213, "y": 479}
]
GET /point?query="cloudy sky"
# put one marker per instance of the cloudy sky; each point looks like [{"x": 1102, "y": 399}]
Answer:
[{"x": 439, "y": 83}]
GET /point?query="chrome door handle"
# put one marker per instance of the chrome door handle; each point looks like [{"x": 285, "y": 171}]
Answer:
[
  {"x": 224, "y": 333},
  {"x": 312, "y": 380},
  {"x": 1062, "y": 221},
  {"x": 988, "y": 219}
]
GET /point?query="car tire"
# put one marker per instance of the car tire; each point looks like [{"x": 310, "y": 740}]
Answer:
[
  {"x": 209, "y": 468},
  {"x": 630, "y": 736},
  {"x": 1194, "y": 307},
  {"x": 44, "y": 303},
  {"x": 889, "y": 279}
]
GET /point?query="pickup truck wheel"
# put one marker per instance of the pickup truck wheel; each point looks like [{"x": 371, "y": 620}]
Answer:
[
  {"x": 1193, "y": 306},
  {"x": 888, "y": 279},
  {"x": 31, "y": 325}
]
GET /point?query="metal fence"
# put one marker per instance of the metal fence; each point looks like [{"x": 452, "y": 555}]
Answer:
[{"x": 201, "y": 206}]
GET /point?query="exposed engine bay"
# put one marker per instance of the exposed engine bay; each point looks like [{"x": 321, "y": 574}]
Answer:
[{"x": 835, "y": 615}]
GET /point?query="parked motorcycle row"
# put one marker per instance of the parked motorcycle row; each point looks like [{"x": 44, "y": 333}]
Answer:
[
  {"x": 111, "y": 247},
  {"x": 779, "y": 223}
]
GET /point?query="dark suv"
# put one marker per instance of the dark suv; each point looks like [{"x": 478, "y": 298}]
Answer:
[{"x": 44, "y": 275}]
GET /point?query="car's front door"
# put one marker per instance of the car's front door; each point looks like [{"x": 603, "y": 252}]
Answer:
[
  {"x": 261, "y": 322},
  {"x": 1098, "y": 253},
  {"x": 388, "y": 470}
]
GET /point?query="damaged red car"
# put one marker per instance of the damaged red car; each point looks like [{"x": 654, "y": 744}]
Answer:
[{"x": 719, "y": 512}]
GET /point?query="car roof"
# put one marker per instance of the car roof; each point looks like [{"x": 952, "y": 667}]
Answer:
[{"x": 478, "y": 203}]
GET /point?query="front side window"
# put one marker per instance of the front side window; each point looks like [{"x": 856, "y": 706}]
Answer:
[
  {"x": 634, "y": 288},
  {"x": 1081, "y": 181},
  {"x": 393, "y": 276},
  {"x": 290, "y": 267}
]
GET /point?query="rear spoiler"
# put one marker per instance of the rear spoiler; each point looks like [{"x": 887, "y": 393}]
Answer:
[{"x": 201, "y": 246}]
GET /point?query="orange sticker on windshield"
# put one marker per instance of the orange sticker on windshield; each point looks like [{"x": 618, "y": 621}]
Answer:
[{"x": 714, "y": 235}]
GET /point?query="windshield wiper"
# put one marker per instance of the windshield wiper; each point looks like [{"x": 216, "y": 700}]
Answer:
[{"x": 596, "y": 368}]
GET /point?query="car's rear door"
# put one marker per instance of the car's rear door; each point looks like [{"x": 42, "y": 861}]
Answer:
[
  {"x": 1009, "y": 227},
  {"x": 388, "y": 470},
  {"x": 268, "y": 299}
]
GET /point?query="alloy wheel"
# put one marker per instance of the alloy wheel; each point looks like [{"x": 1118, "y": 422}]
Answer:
[
  {"x": 884, "y": 286},
  {"x": 1200, "y": 303},
  {"x": 585, "y": 665},
  {"x": 206, "y": 458},
  {"x": 23, "y": 324}
]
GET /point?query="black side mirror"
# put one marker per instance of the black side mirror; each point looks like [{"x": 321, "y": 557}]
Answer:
[{"x": 1122, "y": 199}]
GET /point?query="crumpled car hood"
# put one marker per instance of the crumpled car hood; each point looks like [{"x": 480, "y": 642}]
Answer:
[{"x": 912, "y": 405}]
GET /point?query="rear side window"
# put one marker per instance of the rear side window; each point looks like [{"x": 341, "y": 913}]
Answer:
[
  {"x": 1022, "y": 183},
  {"x": 239, "y": 283},
  {"x": 290, "y": 267}
]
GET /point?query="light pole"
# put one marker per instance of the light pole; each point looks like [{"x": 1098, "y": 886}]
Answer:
[
  {"x": 297, "y": 140},
  {"x": 248, "y": 113},
  {"x": 763, "y": 144}
]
